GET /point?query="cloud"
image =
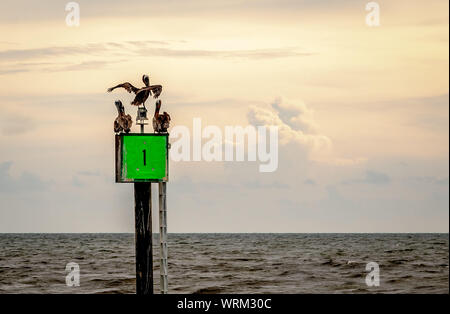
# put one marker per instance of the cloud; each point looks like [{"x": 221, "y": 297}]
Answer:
[
  {"x": 430, "y": 180},
  {"x": 13, "y": 71},
  {"x": 298, "y": 116},
  {"x": 343, "y": 162},
  {"x": 24, "y": 184},
  {"x": 76, "y": 182},
  {"x": 148, "y": 48},
  {"x": 89, "y": 173},
  {"x": 371, "y": 177},
  {"x": 268, "y": 53},
  {"x": 15, "y": 61},
  {"x": 24, "y": 54},
  {"x": 15, "y": 123},
  {"x": 262, "y": 185},
  {"x": 99, "y": 48},
  {"x": 434, "y": 116},
  {"x": 94, "y": 64},
  {"x": 295, "y": 124}
]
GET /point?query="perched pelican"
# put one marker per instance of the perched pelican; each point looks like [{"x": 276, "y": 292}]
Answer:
[
  {"x": 123, "y": 121},
  {"x": 141, "y": 93},
  {"x": 160, "y": 121}
]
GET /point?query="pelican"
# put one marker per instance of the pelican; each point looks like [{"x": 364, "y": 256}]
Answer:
[
  {"x": 160, "y": 121},
  {"x": 141, "y": 93},
  {"x": 123, "y": 121}
]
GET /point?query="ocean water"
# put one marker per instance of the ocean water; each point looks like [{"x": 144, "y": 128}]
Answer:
[{"x": 230, "y": 263}]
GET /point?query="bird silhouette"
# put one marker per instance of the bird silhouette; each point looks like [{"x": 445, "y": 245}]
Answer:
[
  {"x": 123, "y": 121},
  {"x": 161, "y": 122},
  {"x": 142, "y": 93}
]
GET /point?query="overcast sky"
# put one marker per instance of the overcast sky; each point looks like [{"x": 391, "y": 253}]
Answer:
[{"x": 365, "y": 113}]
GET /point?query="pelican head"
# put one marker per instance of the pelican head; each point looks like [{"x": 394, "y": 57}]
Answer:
[
  {"x": 146, "y": 80},
  {"x": 119, "y": 106}
]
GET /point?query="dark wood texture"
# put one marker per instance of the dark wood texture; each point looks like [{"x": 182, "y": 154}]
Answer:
[
  {"x": 118, "y": 159},
  {"x": 143, "y": 237}
]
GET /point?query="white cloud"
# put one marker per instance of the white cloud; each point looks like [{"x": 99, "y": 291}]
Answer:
[{"x": 295, "y": 123}]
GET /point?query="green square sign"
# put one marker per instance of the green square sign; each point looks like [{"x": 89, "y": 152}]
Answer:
[{"x": 142, "y": 157}]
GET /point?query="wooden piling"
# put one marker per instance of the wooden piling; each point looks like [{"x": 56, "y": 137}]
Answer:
[{"x": 143, "y": 237}]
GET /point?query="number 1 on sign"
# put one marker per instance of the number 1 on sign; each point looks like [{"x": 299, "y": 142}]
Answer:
[{"x": 144, "y": 152}]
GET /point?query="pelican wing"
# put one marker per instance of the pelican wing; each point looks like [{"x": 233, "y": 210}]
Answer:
[
  {"x": 155, "y": 89},
  {"x": 128, "y": 86}
]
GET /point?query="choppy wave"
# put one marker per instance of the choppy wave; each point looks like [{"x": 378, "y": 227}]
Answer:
[{"x": 229, "y": 263}]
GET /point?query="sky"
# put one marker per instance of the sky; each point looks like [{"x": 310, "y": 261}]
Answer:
[{"x": 364, "y": 113}]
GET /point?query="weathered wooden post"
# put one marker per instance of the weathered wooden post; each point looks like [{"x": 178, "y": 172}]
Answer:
[
  {"x": 142, "y": 158},
  {"x": 143, "y": 237}
]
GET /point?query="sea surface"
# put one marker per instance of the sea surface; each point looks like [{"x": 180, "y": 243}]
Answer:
[{"x": 230, "y": 263}]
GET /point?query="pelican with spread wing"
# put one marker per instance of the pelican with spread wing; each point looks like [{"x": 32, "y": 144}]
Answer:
[{"x": 141, "y": 93}]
